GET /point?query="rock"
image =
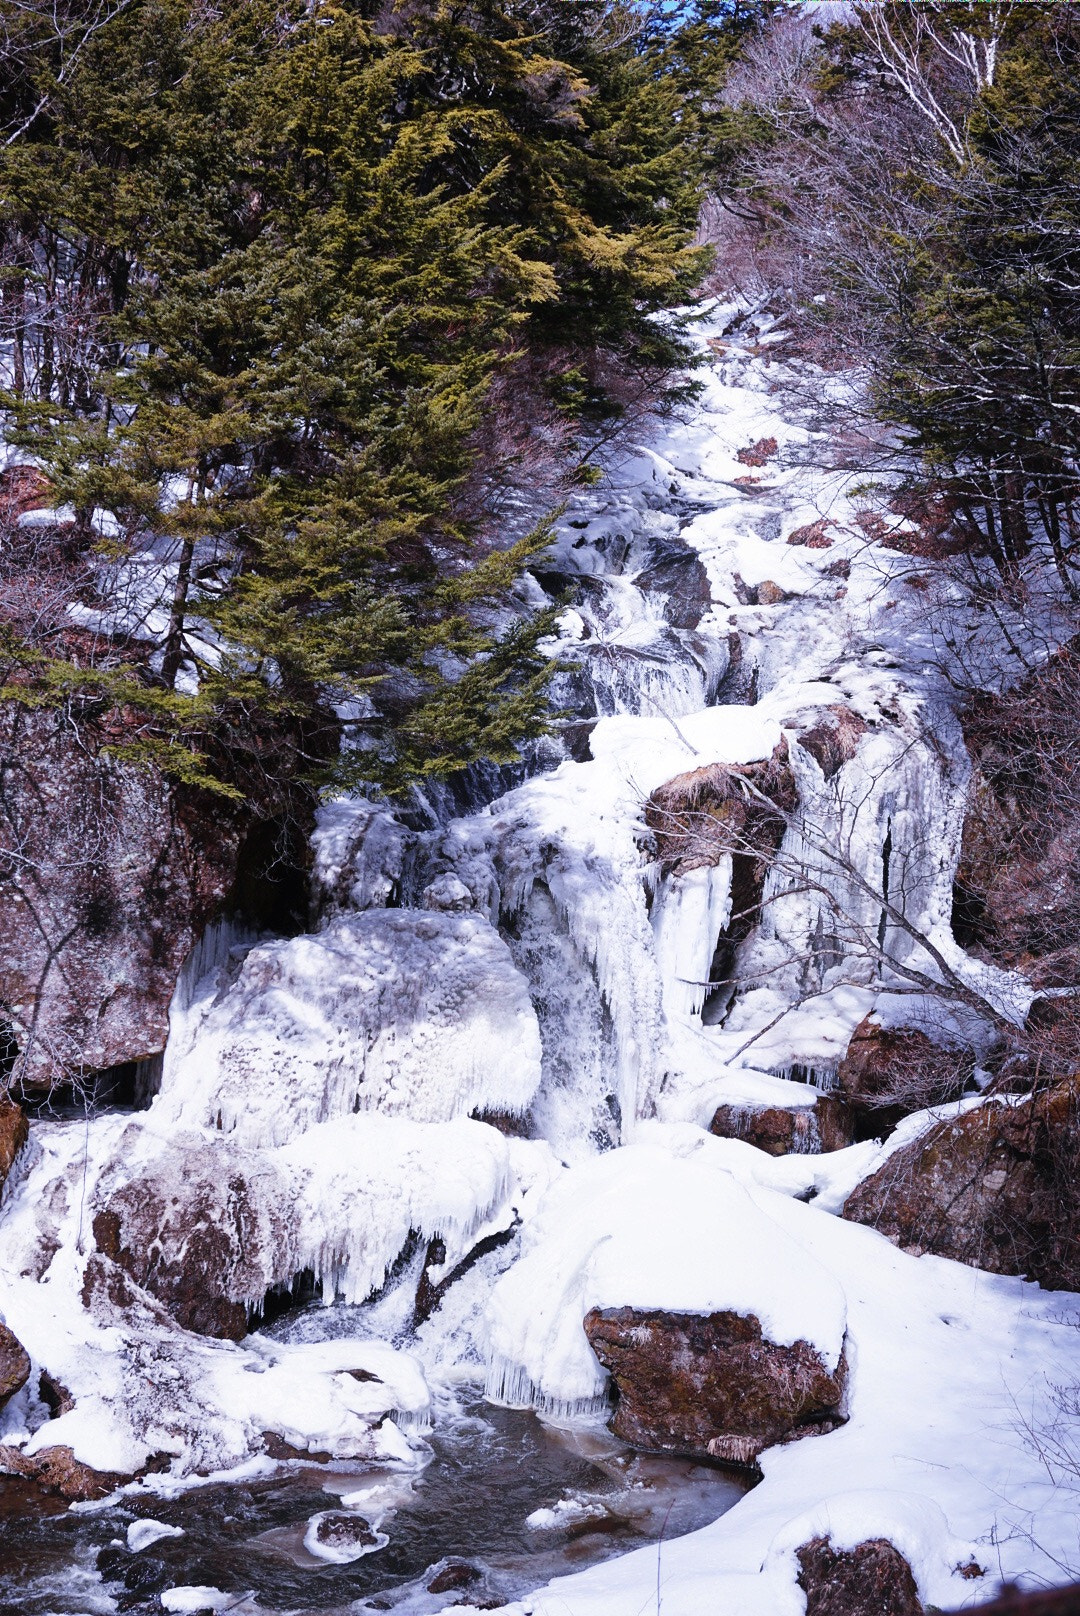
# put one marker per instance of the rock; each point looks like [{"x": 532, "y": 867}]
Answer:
[
  {"x": 815, "y": 535},
  {"x": 887, "y": 1073},
  {"x": 342, "y": 1536},
  {"x": 452, "y": 1575},
  {"x": 56, "y": 1396},
  {"x": 678, "y": 574},
  {"x": 196, "y": 1233},
  {"x": 807, "y": 1130},
  {"x": 120, "y": 873},
  {"x": 14, "y": 1365},
  {"x": 998, "y": 1188},
  {"x": 710, "y": 1386},
  {"x": 834, "y": 739},
  {"x": 770, "y": 594},
  {"x": 14, "y": 1132},
  {"x": 873, "y": 1579},
  {"x": 56, "y": 1470},
  {"x": 1046, "y": 1602}
]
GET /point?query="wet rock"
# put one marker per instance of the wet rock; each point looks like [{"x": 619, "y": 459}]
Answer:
[
  {"x": 452, "y": 1575},
  {"x": 807, "y": 1130},
  {"x": 710, "y": 1386},
  {"x": 679, "y": 575},
  {"x": 342, "y": 1536},
  {"x": 873, "y": 1579},
  {"x": 14, "y": 1132},
  {"x": 119, "y": 874},
  {"x": 56, "y": 1470},
  {"x": 998, "y": 1188},
  {"x": 834, "y": 739},
  {"x": 14, "y": 1365},
  {"x": 887, "y": 1073}
]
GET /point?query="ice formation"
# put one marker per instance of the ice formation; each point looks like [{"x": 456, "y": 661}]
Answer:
[{"x": 409, "y": 1015}]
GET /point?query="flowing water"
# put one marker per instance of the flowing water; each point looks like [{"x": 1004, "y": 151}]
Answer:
[{"x": 461, "y": 1524}]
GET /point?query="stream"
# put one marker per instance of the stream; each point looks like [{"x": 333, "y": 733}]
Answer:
[{"x": 459, "y": 1530}]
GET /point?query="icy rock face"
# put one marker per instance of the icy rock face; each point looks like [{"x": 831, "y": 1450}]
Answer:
[
  {"x": 208, "y": 1227},
  {"x": 118, "y": 872},
  {"x": 359, "y": 853},
  {"x": 14, "y": 1132},
  {"x": 406, "y": 1014}
]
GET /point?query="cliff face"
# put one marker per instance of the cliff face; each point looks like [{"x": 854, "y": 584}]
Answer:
[{"x": 108, "y": 874}]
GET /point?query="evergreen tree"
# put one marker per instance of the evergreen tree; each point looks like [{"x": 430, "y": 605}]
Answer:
[{"x": 262, "y": 265}]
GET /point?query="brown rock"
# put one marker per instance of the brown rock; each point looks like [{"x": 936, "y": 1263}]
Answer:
[
  {"x": 14, "y": 1365},
  {"x": 55, "y": 1395},
  {"x": 756, "y": 454},
  {"x": 815, "y": 535},
  {"x": 807, "y": 1130},
  {"x": 14, "y": 1132},
  {"x": 120, "y": 873},
  {"x": 873, "y": 1579},
  {"x": 834, "y": 739},
  {"x": 770, "y": 594},
  {"x": 998, "y": 1188},
  {"x": 710, "y": 1386},
  {"x": 56, "y": 1470},
  {"x": 887, "y": 1073},
  {"x": 1046, "y": 1602},
  {"x": 201, "y": 1232}
]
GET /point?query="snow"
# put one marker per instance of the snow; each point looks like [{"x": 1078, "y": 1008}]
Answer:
[
  {"x": 195, "y": 1598},
  {"x": 626, "y": 1231},
  {"x": 140, "y": 1534}
]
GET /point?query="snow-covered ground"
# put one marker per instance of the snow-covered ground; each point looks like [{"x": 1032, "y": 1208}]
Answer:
[{"x": 543, "y": 966}]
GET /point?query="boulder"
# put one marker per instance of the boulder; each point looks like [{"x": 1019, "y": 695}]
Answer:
[
  {"x": 198, "y": 1232},
  {"x": 807, "y": 1130},
  {"x": 890, "y": 1072},
  {"x": 56, "y": 1470},
  {"x": 998, "y": 1188},
  {"x": 872, "y": 1579},
  {"x": 14, "y": 1132},
  {"x": 710, "y": 1386},
  {"x": 14, "y": 1365}
]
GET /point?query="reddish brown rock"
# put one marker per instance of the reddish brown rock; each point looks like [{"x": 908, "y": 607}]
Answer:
[
  {"x": 14, "y": 1132},
  {"x": 873, "y": 1579},
  {"x": 807, "y": 1130},
  {"x": 14, "y": 1365},
  {"x": 998, "y": 1188},
  {"x": 834, "y": 739},
  {"x": 120, "y": 872},
  {"x": 195, "y": 1232},
  {"x": 711, "y": 1386},
  {"x": 887, "y": 1073},
  {"x": 56, "y": 1470}
]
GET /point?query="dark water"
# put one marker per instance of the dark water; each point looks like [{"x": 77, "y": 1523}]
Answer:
[{"x": 460, "y": 1522}]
